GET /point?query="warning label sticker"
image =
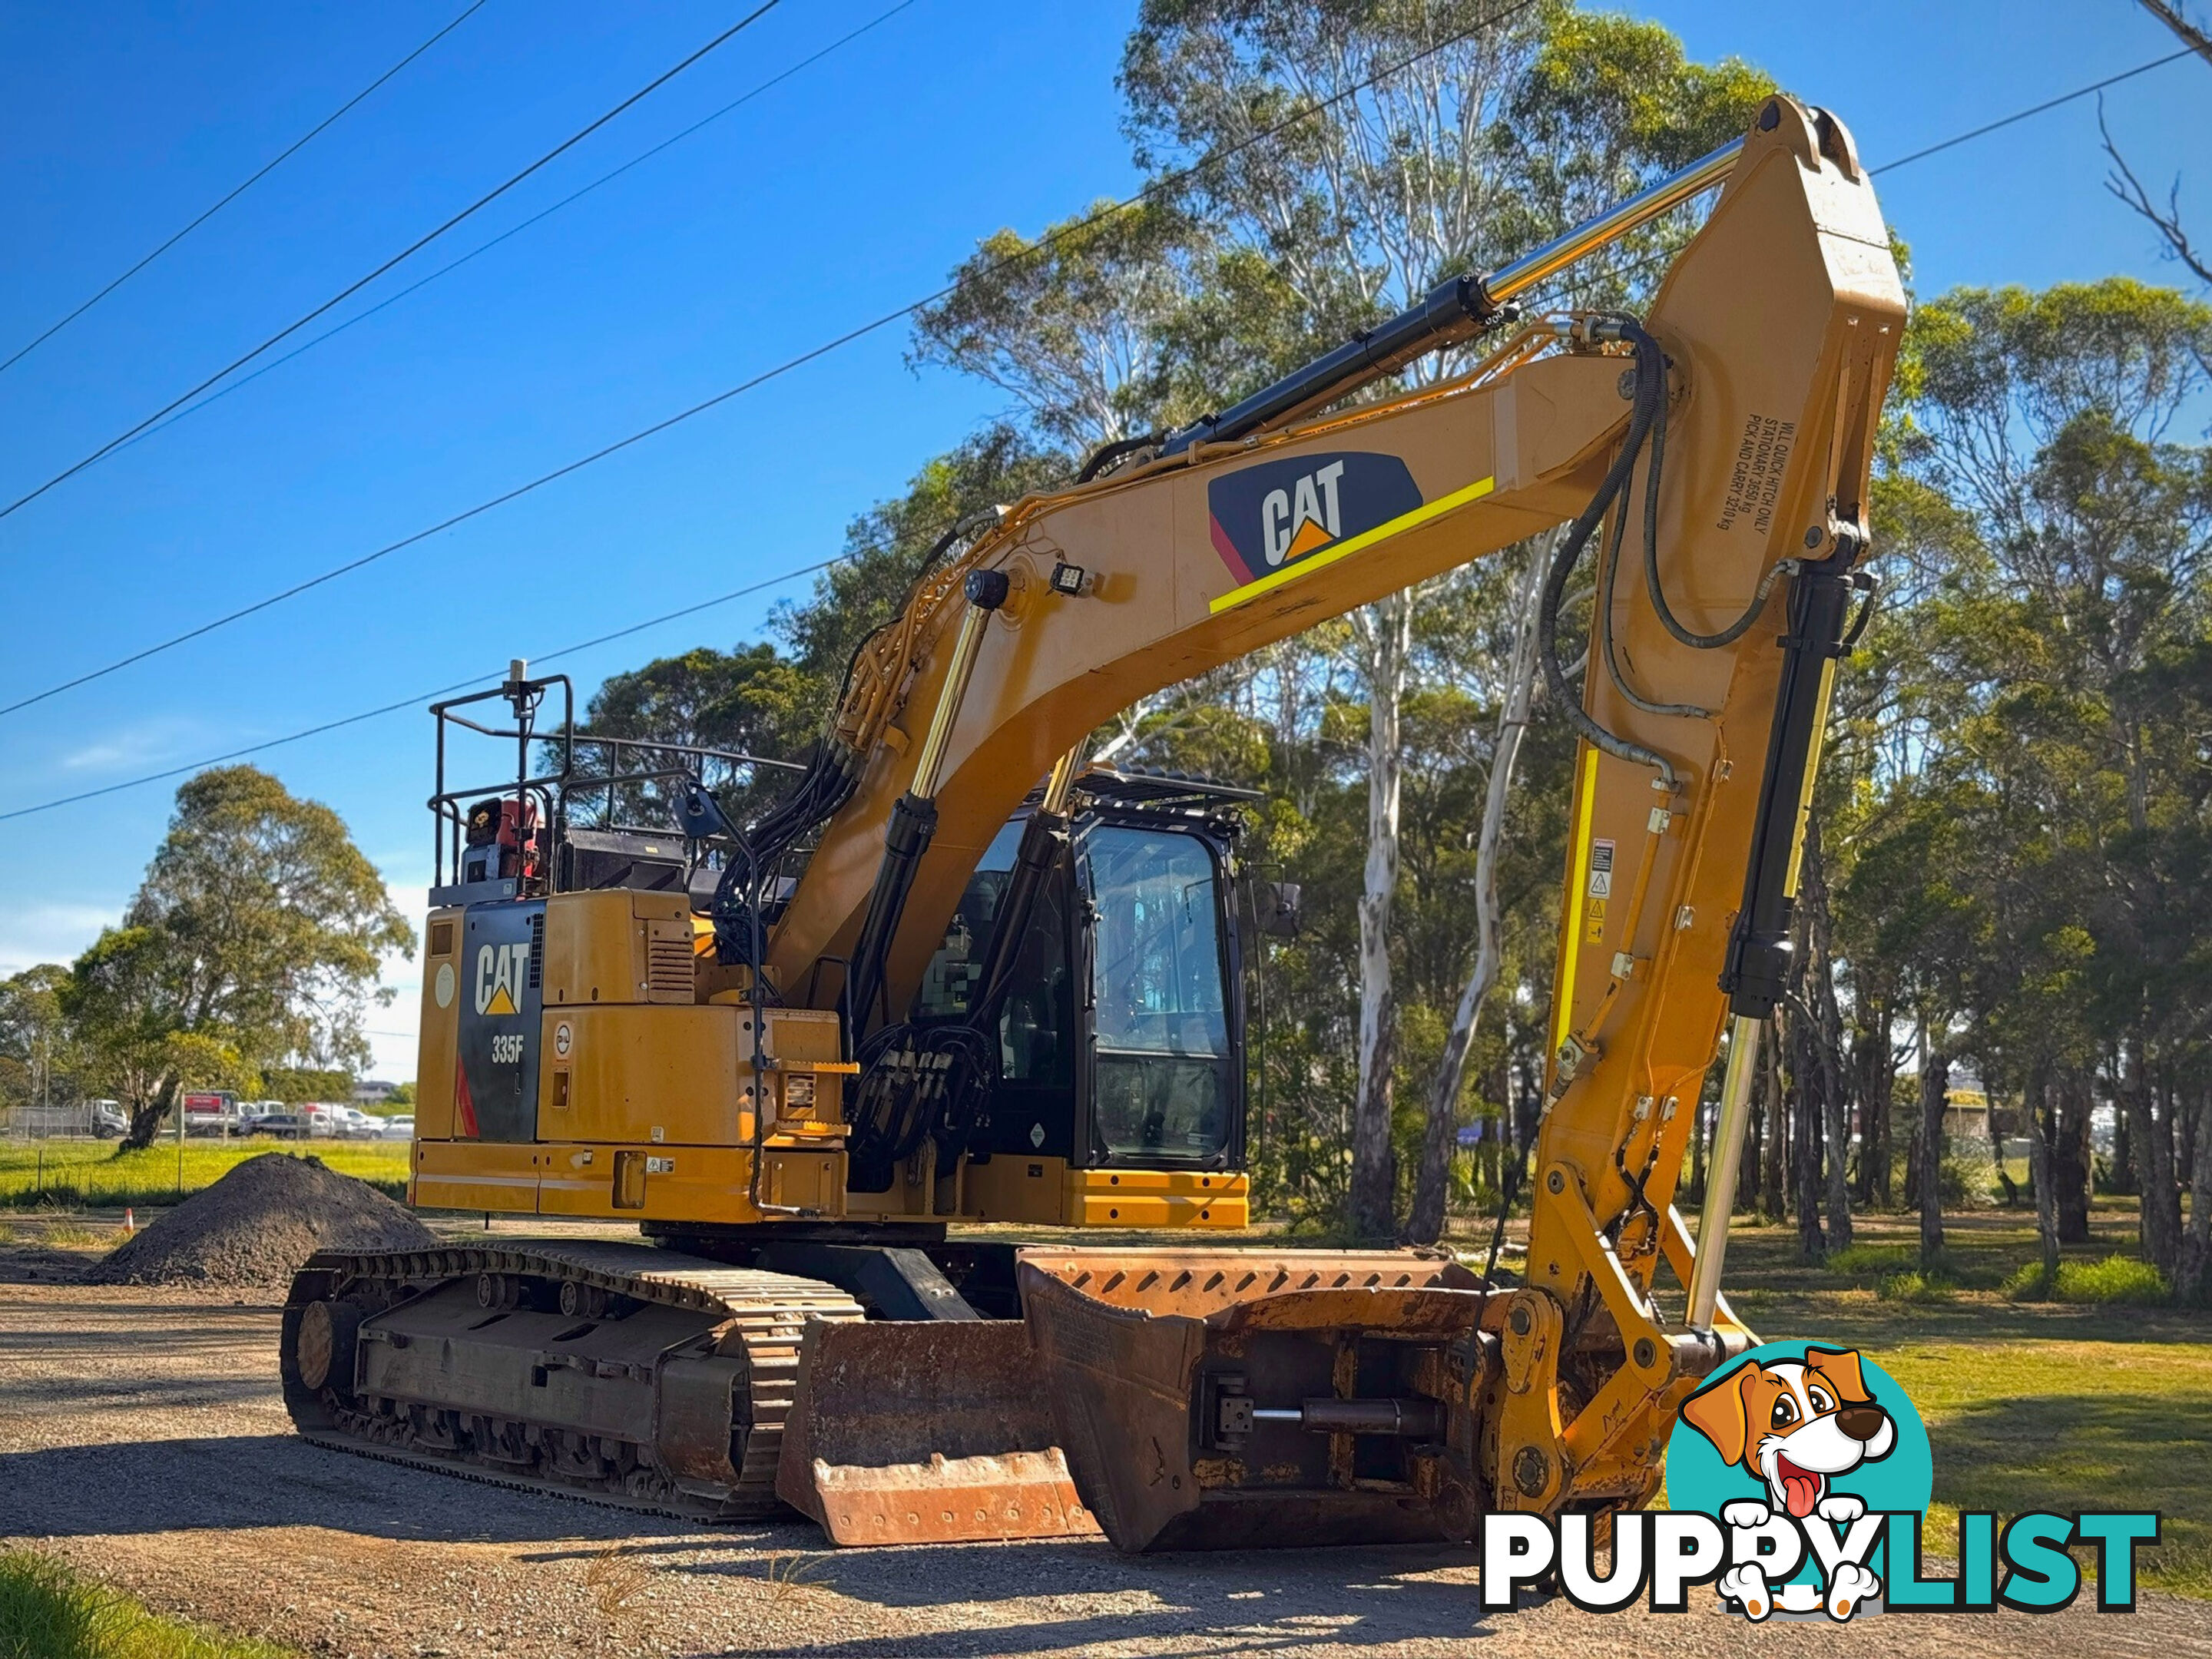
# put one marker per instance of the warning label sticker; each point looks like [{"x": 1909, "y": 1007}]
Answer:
[
  {"x": 1756, "y": 478},
  {"x": 1600, "y": 869},
  {"x": 1596, "y": 890}
]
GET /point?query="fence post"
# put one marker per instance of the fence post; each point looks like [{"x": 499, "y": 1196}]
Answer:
[{"x": 39, "y": 1185}]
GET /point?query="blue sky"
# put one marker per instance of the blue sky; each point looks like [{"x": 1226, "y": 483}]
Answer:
[{"x": 848, "y": 189}]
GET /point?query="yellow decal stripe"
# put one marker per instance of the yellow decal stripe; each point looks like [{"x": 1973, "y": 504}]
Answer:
[
  {"x": 1570, "y": 940},
  {"x": 1404, "y": 521}
]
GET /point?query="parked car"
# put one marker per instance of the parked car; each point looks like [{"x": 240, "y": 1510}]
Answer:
[
  {"x": 352, "y": 1123},
  {"x": 284, "y": 1125},
  {"x": 109, "y": 1119},
  {"x": 401, "y": 1127}
]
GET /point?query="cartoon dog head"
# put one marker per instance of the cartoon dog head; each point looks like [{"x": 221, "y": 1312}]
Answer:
[{"x": 1794, "y": 1424}]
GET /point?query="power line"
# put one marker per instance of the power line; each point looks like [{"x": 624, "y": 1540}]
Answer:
[
  {"x": 387, "y": 708},
  {"x": 1167, "y": 182},
  {"x": 419, "y": 698},
  {"x": 2021, "y": 115},
  {"x": 805, "y": 63},
  {"x": 267, "y": 168},
  {"x": 413, "y": 248},
  {"x": 362, "y": 316}
]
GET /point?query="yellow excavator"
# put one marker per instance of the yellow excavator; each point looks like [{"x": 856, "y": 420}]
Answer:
[{"x": 953, "y": 975}]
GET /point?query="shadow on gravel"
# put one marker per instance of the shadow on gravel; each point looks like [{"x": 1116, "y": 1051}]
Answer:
[
  {"x": 276, "y": 1480},
  {"x": 931, "y": 1575},
  {"x": 1251, "y": 1602}
]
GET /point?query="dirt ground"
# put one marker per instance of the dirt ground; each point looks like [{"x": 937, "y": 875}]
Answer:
[{"x": 141, "y": 1437}]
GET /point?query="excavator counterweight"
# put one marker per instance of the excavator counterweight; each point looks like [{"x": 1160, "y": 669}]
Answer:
[{"x": 846, "y": 1063}]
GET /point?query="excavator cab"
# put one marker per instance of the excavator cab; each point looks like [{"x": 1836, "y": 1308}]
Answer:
[{"x": 1119, "y": 1038}]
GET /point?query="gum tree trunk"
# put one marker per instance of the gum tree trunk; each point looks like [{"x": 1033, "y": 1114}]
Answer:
[
  {"x": 2041, "y": 1171},
  {"x": 1426, "y": 1224},
  {"x": 1934, "y": 1084},
  {"x": 2193, "y": 1284},
  {"x": 1774, "y": 1187},
  {"x": 2068, "y": 1117},
  {"x": 1824, "y": 1048},
  {"x": 1385, "y": 629},
  {"x": 2160, "y": 1197}
]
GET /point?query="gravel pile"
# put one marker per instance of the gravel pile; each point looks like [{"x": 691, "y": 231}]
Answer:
[{"x": 259, "y": 1223}]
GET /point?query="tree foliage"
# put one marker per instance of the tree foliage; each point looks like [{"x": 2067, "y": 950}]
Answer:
[{"x": 255, "y": 938}]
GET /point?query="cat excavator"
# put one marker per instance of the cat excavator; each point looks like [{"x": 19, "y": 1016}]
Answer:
[{"x": 846, "y": 1057}]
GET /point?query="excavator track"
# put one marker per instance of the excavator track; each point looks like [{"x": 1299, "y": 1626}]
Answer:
[{"x": 611, "y": 1372}]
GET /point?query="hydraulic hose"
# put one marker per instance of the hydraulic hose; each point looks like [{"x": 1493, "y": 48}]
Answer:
[
  {"x": 1107, "y": 455},
  {"x": 1649, "y": 392},
  {"x": 1736, "y": 630},
  {"x": 1608, "y": 582}
]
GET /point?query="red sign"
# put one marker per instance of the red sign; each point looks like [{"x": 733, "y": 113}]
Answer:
[{"x": 203, "y": 1103}]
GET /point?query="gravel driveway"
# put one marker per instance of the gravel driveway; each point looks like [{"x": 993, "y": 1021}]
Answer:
[{"x": 141, "y": 1437}]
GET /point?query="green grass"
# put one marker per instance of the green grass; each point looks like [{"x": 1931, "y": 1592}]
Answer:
[
  {"x": 1916, "y": 1286},
  {"x": 67, "y": 1235},
  {"x": 49, "y": 1612},
  {"x": 2119, "y": 1281},
  {"x": 1855, "y": 1261},
  {"x": 2094, "y": 1400},
  {"x": 93, "y": 1175}
]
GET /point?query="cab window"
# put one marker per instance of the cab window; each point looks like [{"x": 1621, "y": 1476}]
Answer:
[{"x": 1161, "y": 1026}]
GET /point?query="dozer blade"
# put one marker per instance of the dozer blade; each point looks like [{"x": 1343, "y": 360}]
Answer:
[
  {"x": 1219, "y": 1400},
  {"x": 925, "y": 1432}
]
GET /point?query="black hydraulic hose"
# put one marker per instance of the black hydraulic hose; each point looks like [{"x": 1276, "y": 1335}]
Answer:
[
  {"x": 1649, "y": 391},
  {"x": 1106, "y": 454},
  {"x": 982, "y": 519},
  {"x": 1608, "y": 581},
  {"x": 1736, "y": 630}
]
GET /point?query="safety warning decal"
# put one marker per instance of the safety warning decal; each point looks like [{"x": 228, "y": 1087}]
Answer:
[
  {"x": 1598, "y": 890},
  {"x": 1600, "y": 869}
]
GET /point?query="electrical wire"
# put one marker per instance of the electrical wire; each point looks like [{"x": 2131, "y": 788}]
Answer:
[
  {"x": 1167, "y": 182},
  {"x": 766, "y": 375},
  {"x": 2035, "y": 109},
  {"x": 418, "y": 700},
  {"x": 362, "y": 316},
  {"x": 415, "y": 247},
  {"x": 267, "y": 167}
]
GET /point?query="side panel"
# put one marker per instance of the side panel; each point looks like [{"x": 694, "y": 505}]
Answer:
[
  {"x": 617, "y": 945},
  {"x": 665, "y": 1183},
  {"x": 477, "y": 1175},
  {"x": 441, "y": 1010},
  {"x": 1013, "y": 1187},
  {"x": 1158, "y": 1198},
  {"x": 643, "y": 1072},
  {"x": 499, "y": 1003},
  {"x": 682, "y": 1183}
]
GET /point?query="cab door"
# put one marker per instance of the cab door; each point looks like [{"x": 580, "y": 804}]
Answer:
[{"x": 1165, "y": 1078}]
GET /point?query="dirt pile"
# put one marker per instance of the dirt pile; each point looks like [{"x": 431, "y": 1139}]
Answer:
[{"x": 258, "y": 1224}]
